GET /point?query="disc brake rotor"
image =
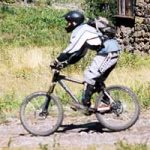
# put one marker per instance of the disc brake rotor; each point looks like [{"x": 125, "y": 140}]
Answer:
[{"x": 117, "y": 108}]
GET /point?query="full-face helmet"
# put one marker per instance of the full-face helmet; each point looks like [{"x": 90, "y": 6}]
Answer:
[{"x": 74, "y": 19}]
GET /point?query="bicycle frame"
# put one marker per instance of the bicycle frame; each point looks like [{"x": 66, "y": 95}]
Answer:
[
  {"x": 51, "y": 106},
  {"x": 58, "y": 78}
]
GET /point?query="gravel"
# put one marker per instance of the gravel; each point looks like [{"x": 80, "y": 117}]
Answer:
[{"x": 77, "y": 132}]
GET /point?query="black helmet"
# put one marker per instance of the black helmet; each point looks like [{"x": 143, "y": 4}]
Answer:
[{"x": 74, "y": 19}]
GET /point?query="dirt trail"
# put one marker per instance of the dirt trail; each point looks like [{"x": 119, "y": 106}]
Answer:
[{"x": 77, "y": 132}]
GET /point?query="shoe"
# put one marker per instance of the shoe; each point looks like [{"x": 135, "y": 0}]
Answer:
[
  {"x": 103, "y": 107},
  {"x": 86, "y": 103}
]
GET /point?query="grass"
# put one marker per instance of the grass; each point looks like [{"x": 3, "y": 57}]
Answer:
[
  {"x": 118, "y": 146},
  {"x": 134, "y": 61},
  {"x": 9, "y": 106},
  {"x": 133, "y": 71},
  {"x": 28, "y": 71},
  {"x": 31, "y": 37},
  {"x": 126, "y": 146},
  {"x": 27, "y": 26}
]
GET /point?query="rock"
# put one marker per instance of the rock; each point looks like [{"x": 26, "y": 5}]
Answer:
[
  {"x": 145, "y": 28},
  {"x": 148, "y": 27},
  {"x": 146, "y": 39},
  {"x": 146, "y": 21},
  {"x": 147, "y": 1},
  {"x": 137, "y": 38}
]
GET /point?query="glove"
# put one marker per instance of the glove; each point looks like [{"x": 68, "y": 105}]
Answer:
[{"x": 57, "y": 64}]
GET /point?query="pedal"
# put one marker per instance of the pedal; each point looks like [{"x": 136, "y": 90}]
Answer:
[
  {"x": 92, "y": 110},
  {"x": 77, "y": 106},
  {"x": 89, "y": 111},
  {"x": 73, "y": 108}
]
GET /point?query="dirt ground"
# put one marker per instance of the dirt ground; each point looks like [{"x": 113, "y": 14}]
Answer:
[{"x": 76, "y": 133}]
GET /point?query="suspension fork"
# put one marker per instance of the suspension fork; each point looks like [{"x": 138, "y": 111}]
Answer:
[
  {"x": 48, "y": 98},
  {"x": 50, "y": 91}
]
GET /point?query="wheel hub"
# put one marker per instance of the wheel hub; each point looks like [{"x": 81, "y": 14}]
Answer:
[{"x": 117, "y": 108}]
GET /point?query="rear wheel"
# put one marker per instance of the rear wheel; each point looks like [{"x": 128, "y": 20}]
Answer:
[
  {"x": 38, "y": 121},
  {"x": 124, "y": 111}
]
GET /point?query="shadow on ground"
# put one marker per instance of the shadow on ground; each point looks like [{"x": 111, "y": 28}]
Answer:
[{"x": 88, "y": 127}]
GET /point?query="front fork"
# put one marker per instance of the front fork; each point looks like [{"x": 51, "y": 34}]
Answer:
[{"x": 48, "y": 98}]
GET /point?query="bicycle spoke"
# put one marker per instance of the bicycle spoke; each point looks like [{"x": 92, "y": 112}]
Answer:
[
  {"x": 37, "y": 121},
  {"x": 124, "y": 110}
]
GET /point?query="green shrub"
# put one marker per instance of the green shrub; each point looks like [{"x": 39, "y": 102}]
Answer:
[
  {"x": 8, "y": 103},
  {"x": 143, "y": 92},
  {"x": 8, "y": 1},
  {"x": 133, "y": 60},
  {"x": 126, "y": 146},
  {"x": 106, "y": 8},
  {"x": 31, "y": 27}
]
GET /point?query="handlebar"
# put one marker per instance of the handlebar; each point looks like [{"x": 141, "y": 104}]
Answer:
[
  {"x": 57, "y": 76},
  {"x": 58, "y": 65}
]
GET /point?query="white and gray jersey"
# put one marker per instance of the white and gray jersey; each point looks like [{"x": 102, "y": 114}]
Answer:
[
  {"x": 82, "y": 38},
  {"x": 81, "y": 35}
]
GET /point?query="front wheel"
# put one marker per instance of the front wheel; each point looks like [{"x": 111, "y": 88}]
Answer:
[
  {"x": 37, "y": 120},
  {"x": 124, "y": 111}
]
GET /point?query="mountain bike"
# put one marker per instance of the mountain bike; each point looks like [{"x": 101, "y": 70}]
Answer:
[{"x": 41, "y": 113}]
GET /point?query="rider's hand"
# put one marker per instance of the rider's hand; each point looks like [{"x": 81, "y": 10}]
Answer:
[{"x": 56, "y": 64}]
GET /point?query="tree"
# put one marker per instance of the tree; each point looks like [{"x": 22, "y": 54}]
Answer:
[{"x": 105, "y": 8}]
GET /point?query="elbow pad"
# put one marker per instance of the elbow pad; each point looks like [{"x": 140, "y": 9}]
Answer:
[
  {"x": 62, "y": 57},
  {"x": 74, "y": 58}
]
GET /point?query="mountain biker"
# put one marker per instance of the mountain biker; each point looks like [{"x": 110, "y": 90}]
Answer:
[{"x": 85, "y": 37}]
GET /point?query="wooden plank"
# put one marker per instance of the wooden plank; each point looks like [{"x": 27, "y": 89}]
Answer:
[
  {"x": 119, "y": 7},
  {"x": 129, "y": 7},
  {"x": 123, "y": 7}
]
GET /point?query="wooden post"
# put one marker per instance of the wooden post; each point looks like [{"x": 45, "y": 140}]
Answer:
[
  {"x": 123, "y": 7},
  {"x": 119, "y": 6},
  {"x": 129, "y": 8}
]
